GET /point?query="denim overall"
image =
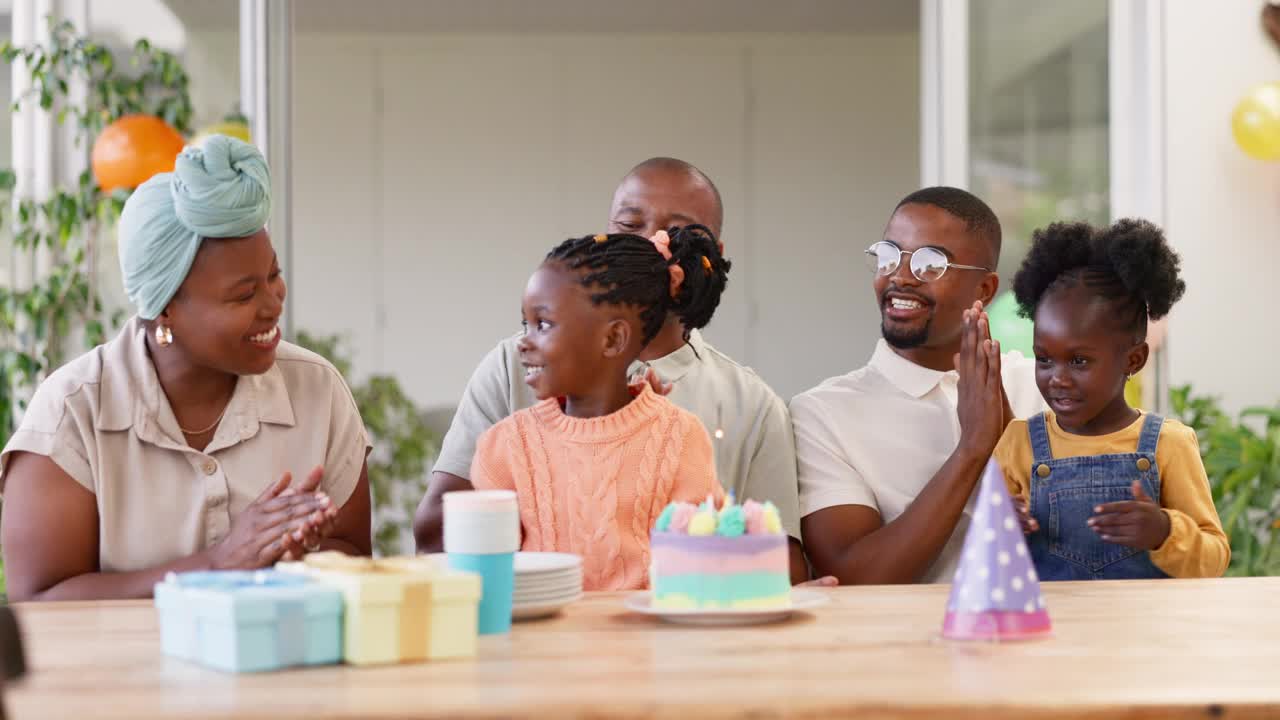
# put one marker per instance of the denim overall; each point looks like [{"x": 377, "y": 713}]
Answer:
[{"x": 1064, "y": 493}]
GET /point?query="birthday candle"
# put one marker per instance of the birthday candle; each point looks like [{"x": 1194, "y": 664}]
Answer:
[{"x": 717, "y": 436}]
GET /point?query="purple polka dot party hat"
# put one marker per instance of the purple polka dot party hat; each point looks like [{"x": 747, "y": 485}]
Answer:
[{"x": 996, "y": 593}]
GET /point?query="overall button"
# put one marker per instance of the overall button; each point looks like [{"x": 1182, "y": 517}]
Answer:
[
  {"x": 1144, "y": 464},
  {"x": 1043, "y": 470}
]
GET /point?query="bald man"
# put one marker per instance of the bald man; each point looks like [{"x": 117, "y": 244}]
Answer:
[{"x": 754, "y": 445}]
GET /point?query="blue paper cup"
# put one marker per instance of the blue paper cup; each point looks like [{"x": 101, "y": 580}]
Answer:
[
  {"x": 482, "y": 534},
  {"x": 498, "y": 579}
]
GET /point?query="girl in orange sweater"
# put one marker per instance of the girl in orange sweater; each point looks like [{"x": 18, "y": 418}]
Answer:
[{"x": 595, "y": 462}]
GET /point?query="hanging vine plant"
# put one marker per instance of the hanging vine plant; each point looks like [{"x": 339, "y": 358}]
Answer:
[{"x": 37, "y": 321}]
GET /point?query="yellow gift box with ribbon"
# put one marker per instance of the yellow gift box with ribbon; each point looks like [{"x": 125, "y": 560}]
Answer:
[{"x": 399, "y": 609}]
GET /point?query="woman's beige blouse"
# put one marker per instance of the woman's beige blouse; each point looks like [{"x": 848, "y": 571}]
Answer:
[{"x": 104, "y": 420}]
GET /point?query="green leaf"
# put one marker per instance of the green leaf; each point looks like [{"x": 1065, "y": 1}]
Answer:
[
  {"x": 1265, "y": 496},
  {"x": 1272, "y": 415},
  {"x": 1238, "y": 506},
  {"x": 1244, "y": 548},
  {"x": 1254, "y": 451},
  {"x": 95, "y": 332}
]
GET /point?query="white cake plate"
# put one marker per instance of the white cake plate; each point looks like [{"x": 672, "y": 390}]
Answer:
[{"x": 800, "y": 600}]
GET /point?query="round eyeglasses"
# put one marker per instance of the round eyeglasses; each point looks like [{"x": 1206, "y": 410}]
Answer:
[{"x": 927, "y": 263}]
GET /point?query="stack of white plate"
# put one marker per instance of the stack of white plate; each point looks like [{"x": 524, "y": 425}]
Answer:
[{"x": 545, "y": 583}]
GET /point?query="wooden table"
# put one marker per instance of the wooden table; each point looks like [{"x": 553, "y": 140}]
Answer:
[{"x": 1157, "y": 649}]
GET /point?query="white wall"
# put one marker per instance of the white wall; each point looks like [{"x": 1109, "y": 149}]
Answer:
[
  {"x": 433, "y": 171},
  {"x": 1223, "y": 208}
]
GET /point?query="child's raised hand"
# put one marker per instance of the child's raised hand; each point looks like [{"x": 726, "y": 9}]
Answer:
[
  {"x": 1029, "y": 523},
  {"x": 1137, "y": 523}
]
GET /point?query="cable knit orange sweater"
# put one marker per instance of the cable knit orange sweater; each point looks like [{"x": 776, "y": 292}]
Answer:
[{"x": 595, "y": 486}]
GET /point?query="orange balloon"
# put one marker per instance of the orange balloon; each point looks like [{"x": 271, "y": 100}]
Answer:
[{"x": 132, "y": 149}]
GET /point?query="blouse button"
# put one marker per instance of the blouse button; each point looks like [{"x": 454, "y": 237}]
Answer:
[
  {"x": 1144, "y": 464},
  {"x": 1043, "y": 470},
  {"x": 210, "y": 467}
]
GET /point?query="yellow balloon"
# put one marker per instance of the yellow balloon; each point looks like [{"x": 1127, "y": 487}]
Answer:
[
  {"x": 234, "y": 129},
  {"x": 1256, "y": 122}
]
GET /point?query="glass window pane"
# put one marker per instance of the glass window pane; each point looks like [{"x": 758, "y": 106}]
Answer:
[{"x": 1038, "y": 122}]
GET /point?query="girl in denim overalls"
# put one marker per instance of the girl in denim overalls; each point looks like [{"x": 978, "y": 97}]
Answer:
[{"x": 1105, "y": 491}]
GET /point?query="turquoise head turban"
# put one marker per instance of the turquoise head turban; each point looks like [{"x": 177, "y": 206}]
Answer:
[{"x": 219, "y": 189}]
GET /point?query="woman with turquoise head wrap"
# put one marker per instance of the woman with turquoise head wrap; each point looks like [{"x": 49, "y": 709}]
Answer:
[{"x": 173, "y": 447}]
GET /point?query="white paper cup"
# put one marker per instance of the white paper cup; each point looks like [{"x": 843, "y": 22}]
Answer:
[
  {"x": 482, "y": 535},
  {"x": 481, "y": 522}
]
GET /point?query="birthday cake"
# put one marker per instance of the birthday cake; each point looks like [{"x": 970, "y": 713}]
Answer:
[{"x": 734, "y": 557}]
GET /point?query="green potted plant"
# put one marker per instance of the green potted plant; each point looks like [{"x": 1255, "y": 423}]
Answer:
[
  {"x": 404, "y": 447},
  {"x": 1242, "y": 458}
]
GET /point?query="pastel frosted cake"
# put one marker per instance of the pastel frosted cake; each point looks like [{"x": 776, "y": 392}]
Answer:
[{"x": 734, "y": 557}]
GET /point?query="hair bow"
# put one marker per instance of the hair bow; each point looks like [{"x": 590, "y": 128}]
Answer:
[{"x": 662, "y": 242}]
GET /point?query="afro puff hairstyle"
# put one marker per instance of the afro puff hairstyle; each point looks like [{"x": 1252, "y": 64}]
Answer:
[{"x": 1129, "y": 264}]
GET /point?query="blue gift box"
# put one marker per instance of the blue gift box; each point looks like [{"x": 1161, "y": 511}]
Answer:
[{"x": 249, "y": 621}]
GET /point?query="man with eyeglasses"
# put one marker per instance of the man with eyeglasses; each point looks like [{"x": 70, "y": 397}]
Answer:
[{"x": 889, "y": 454}]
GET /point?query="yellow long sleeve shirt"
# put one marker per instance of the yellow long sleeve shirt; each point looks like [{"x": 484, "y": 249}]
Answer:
[{"x": 1196, "y": 546}]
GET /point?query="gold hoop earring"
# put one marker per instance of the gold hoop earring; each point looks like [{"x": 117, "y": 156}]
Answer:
[{"x": 164, "y": 336}]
